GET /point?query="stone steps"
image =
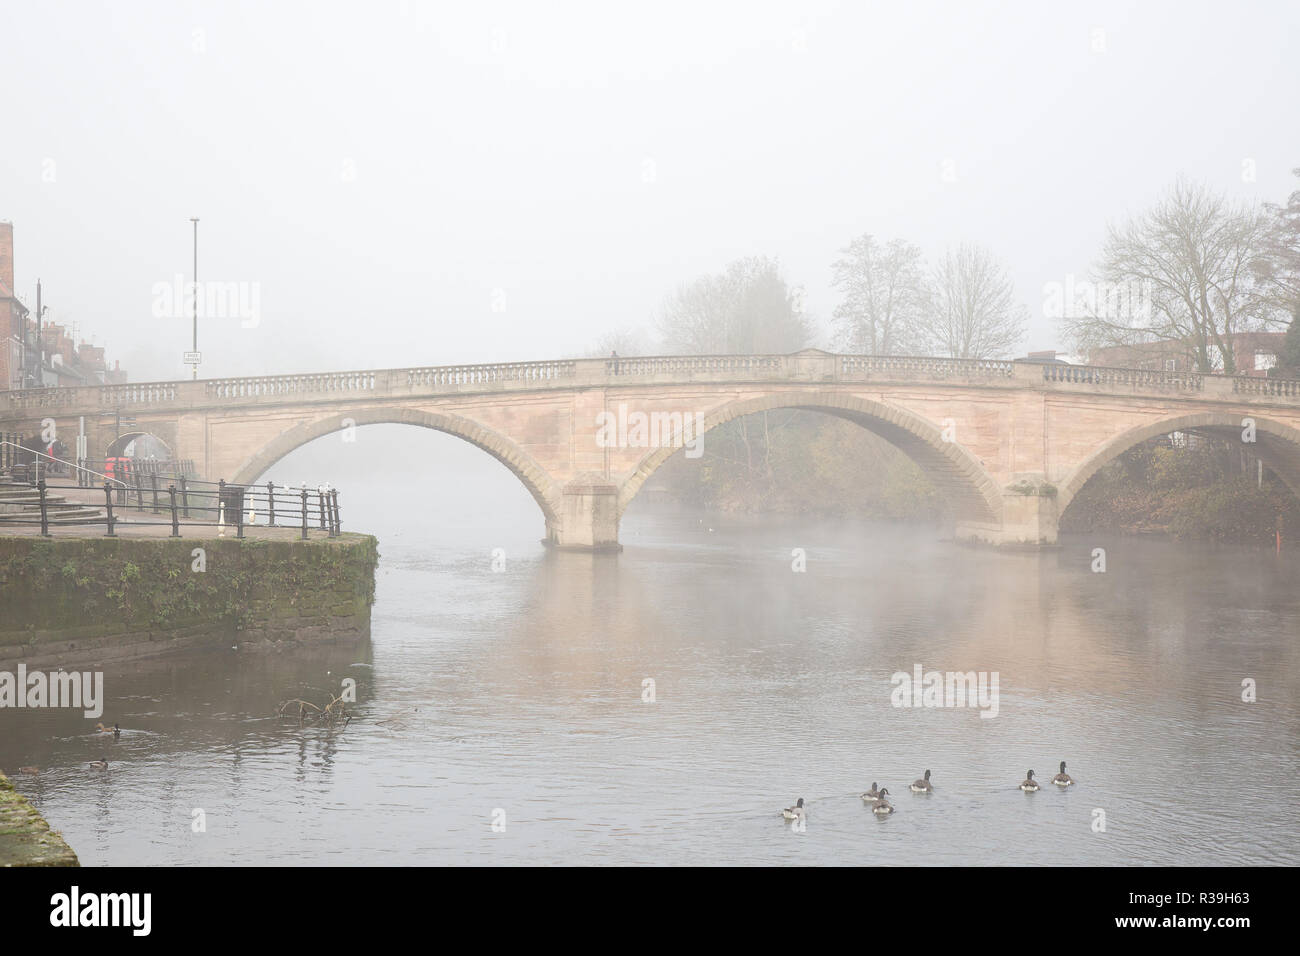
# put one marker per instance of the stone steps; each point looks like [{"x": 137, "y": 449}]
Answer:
[
  {"x": 51, "y": 501},
  {"x": 77, "y": 516},
  {"x": 20, "y": 504}
]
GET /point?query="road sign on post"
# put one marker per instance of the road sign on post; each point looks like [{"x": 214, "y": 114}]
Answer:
[{"x": 193, "y": 358}]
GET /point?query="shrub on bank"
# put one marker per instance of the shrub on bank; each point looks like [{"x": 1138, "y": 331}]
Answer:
[{"x": 1198, "y": 489}]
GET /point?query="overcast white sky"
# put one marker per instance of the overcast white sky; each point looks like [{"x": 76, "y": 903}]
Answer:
[{"x": 380, "y": 169}]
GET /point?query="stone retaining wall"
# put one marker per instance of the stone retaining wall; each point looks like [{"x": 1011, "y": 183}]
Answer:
[{"x": 88, "y": 600}]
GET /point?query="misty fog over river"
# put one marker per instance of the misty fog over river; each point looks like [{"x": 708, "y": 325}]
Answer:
[{"x": 516, "y": 695}]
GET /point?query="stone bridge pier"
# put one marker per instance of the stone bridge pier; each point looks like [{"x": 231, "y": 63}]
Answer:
[{"x": 589, "y": 516}]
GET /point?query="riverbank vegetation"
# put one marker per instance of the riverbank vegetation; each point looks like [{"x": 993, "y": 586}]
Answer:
[
  {"x": 1187, "y": 486},
  {"x": 797, "y": 462},
  {"x": 793, "y": 462}
]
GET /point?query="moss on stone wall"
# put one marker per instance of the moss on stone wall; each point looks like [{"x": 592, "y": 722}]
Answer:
[
  {"x": 93, "y": 590},
  {"x": 25, "y": 838}
]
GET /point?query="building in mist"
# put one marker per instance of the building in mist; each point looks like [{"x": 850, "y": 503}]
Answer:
[
  {"x": 13, "y": 315},
  {"x": 67, "y": 363},
  {"x": 1253, "y": 352},
  {"x": 58, "y": 360},
  {"x": 1045, "y": 357}
]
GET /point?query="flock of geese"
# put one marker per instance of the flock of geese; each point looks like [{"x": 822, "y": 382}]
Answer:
[
  {"x": 876, "y": 796},
  {"x": 880, "y": 805}
]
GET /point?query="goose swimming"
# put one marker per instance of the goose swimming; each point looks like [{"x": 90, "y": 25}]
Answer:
[{"x": 882, "y": 806}]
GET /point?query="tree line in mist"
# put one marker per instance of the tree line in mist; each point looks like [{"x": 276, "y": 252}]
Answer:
[{"x": 1194, "y": 268}]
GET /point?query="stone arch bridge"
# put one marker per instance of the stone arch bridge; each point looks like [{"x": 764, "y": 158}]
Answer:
[{"x": 1009, "y": 444}]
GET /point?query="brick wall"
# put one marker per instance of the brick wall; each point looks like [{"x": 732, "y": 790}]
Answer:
[
  {"x": 7, "y": 256},
  {"x": 9, "y": 354}
]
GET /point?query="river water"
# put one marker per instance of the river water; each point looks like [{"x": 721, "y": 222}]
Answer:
[{"x": 515, "y": 696}]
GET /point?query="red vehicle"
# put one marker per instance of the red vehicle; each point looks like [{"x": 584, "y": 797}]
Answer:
[{"x": 119, "y": 468}]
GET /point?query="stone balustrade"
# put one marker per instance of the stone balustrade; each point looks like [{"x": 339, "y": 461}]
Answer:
[{"x": 811, "y": 365}]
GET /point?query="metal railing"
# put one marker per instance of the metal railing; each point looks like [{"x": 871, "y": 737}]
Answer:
[
  {"x": 183, "y": 501},
  {"x": 13, "y": 453},
  {"x": 40, "y": 457},
  {"x": 123, "y": 467},
  {"x": 12, "y": 450}
]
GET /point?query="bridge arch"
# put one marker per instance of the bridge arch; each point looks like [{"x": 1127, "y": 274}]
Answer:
[
  {"x": 974, "y": 495},
  {"x": 146, "y": 445},
  {"x": 1276, "y": 444},
  {"x": 532, "y": 475}
]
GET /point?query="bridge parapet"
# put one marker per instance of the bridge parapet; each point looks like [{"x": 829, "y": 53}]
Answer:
[
  {"x": 1276, "y": 387},
  {"x": 145, "y": 393},
  {"x": 509, "y": 372},
  {"x": 749, "y": 366},
  {"x": 855, "y": 367},
  {"x": 1135, "y": 378},
  {"x": 262, "y": 386},
  {"x": 808, "y": 366},
  {"x": 385, "y": 382},
  {"x": 19, "y": 400},
  {"x": 95, "y": 397},
  {"x": 1227, "y": 388}
]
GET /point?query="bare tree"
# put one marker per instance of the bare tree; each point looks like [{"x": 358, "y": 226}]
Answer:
[
  {"x": 1280, "y": 267},
  {"x": 884, "y": 296},
  {"x": 1193, "y": 261},
  {"x": 972, "y": 310},
  {"x": 747, "y": 309}
]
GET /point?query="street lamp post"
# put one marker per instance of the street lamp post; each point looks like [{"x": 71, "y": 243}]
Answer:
[
  {"x": 195, "y": 345},
  {"x": 40, "y": 338}
]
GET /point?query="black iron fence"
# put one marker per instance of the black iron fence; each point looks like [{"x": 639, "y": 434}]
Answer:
[
  {"x": 150, "y": 497},
  {"x": 126, "y": 468},
  {"x": 175, "y": 501},
  {"x": 20, "y": 454}
]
